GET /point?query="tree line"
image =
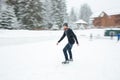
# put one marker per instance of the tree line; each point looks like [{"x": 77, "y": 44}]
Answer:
[
  {"x": 33, "y": 14},
  {"x": 36, "y": 14}
]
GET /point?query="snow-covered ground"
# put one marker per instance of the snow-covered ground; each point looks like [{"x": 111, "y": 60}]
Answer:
[{"x": 34, "y": 55}]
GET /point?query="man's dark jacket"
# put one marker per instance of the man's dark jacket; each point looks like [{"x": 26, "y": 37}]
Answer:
[{"x": 70, "y": 35}]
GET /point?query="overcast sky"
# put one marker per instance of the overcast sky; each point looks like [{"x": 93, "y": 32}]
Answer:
[{"x": 96, "y": 5}]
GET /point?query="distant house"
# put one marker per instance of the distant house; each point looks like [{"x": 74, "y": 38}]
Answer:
[
  {"x": 81, "y": 24},
  {"x": 107, "y": 20}
]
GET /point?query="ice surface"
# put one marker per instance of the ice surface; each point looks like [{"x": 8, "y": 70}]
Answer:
[{"x": 33, "y": 55}]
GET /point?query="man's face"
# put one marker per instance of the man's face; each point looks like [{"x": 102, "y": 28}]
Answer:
[{"x": 65, "y": 27}]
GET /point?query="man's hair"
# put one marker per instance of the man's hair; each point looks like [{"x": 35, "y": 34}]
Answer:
[{"x": 65, "y": 24}]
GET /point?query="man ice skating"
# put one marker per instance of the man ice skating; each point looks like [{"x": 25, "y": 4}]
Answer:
[{"x": 71, "y": 40}]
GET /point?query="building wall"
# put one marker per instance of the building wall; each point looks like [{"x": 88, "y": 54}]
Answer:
[{"x": 107, "y": 21}]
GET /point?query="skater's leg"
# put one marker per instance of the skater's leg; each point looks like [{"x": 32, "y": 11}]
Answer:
[
  {"x": 69, "y": 50},
  {"x": 65, "y": 51}
]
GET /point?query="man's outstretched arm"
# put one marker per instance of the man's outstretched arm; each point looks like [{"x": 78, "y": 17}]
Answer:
[{"x": 63, "y": 36}]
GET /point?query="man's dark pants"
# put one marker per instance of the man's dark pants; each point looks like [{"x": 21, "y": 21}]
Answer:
[{"x": 68, "y": 48}]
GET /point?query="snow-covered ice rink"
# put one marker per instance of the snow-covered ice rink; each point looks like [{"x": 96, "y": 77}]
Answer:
[{"x": 34, "y": 55}]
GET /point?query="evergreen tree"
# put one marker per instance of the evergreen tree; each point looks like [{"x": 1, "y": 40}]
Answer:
[
  {"x": 11, "y": 2},
  {"x": 0, "y": 5},
  {"x": 8, "y": 18},
  {"x": 63, "y": 11},
  {"x": 73, "y": 16},
  {"x": 47, "y": 14},
  {"x": 59, "y": 12},
  {"x": 30, "y": 13},
  {"x": 85, "y": 12},
  {"x": 0, "y": 14}
]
